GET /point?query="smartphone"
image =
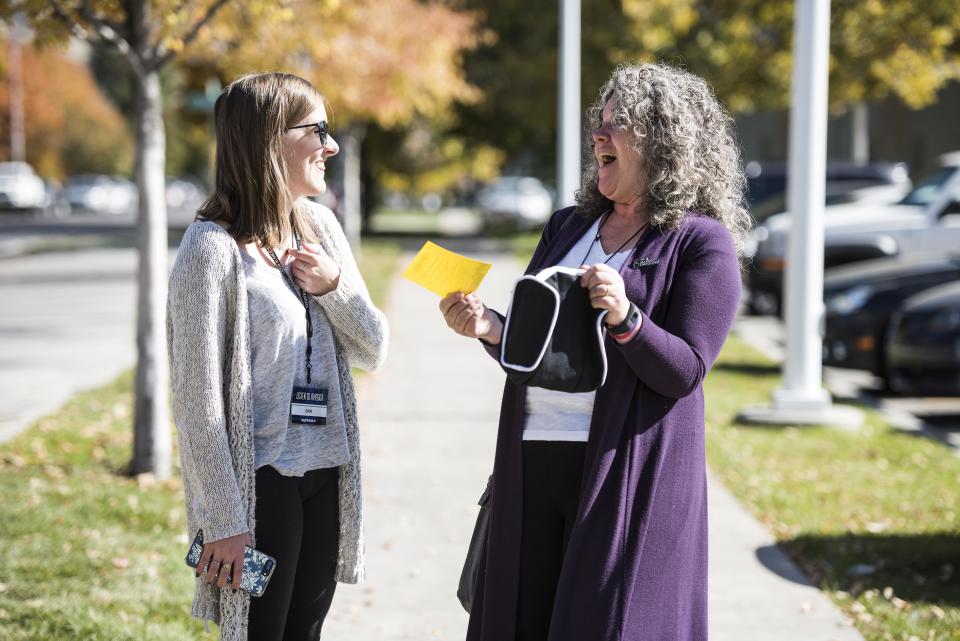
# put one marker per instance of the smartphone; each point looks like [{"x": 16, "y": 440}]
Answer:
[{"x": 257, "y": 566}]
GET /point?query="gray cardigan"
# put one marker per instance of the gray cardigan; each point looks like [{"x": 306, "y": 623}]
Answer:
[{"x": 208, "y": 338}]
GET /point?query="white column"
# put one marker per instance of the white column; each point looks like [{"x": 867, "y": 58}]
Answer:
[
  {"x": 802, "y": 369},
  {"x": 802, "y": 398},
  {"x": 860, "y": 130},
  {"x": 568, "y": 115}
]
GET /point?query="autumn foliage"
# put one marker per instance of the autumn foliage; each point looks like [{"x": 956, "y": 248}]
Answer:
[{"x": 70, "y": 126}]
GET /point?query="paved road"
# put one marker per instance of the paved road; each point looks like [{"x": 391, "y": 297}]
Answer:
[
  {"x": 428, "y": 421},
  {"x": 66, "y": 324}
]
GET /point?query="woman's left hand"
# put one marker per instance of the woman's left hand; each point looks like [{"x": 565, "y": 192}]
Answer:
[
  {"x": 313, "y": 270},
  {"x": 606, "y": 292}
]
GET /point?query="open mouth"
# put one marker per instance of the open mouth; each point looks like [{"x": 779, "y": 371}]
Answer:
[{"x": 606, "y": 159}]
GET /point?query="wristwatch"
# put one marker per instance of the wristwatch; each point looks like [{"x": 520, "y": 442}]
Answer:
[{"x": 629, "y": 322}]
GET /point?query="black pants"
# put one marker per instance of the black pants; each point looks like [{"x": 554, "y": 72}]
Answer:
[
  {"x": 552, "y": 471},
  {"x": 298, "y": 524}
]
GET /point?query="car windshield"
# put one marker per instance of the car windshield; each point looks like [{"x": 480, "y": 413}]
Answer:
[{"x": 929, "y": 188}]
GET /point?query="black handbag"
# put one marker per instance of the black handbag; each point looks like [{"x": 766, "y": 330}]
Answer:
[
  {"x": 553, "y": 338},
  {"x": 470, "y": 574}
]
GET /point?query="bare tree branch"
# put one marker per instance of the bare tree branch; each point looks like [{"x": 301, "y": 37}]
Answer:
[{"x": 161, "y": 57}]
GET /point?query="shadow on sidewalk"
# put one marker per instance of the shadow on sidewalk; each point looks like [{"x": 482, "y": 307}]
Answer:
[{"x": 918, "y": 567}]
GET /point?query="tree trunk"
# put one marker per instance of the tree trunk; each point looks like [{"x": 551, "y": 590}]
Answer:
[
  {"x": 152, "y": 447},
  {"x": 350, "y": 142}
]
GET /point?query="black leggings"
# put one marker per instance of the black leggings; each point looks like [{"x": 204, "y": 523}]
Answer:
[
  {"x": 552, "y": 471},
  {"x": 298, "y": 524}
]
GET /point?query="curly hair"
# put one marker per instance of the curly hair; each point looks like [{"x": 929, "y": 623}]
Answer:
[{"x": 686, "y": 140}]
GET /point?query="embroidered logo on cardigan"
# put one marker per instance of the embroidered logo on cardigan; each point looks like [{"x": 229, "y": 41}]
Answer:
[{"x": 640, "y": 263}]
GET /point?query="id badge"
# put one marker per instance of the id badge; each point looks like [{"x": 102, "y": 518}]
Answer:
[{"x": 308, "y": 406}]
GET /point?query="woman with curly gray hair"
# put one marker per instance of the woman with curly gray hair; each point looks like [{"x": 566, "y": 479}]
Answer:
[{"x": 598, "y": 516}]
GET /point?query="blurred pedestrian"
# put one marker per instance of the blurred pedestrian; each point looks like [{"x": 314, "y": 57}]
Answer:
[
  {"x": 598, "y": 522},
  {"x": 267, "y": 313}
]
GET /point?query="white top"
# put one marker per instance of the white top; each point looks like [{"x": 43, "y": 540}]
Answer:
[
  {"x": 278, "y": 337},
  {"x": 565, "y": 416}
]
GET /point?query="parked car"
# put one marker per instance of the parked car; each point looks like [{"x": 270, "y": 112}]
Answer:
[
  {"x": 517, "y": 201},
  {"x": 926, "y": 220},
  {"x": 95, "y": 193},
  {"x": 20, "y": 188},
  {"x": 767, "y": 184},
  {"x": 182, "y": 193},
  {"x": 861, "y": 298},
  {"x": 923, "y": 344}
]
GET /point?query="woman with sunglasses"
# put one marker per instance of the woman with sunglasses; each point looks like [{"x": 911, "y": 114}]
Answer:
[
  {"x": 598, "y": 510},
  {"x": 267, "y": 313}
]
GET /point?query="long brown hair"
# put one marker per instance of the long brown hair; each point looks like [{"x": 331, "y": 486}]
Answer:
[{"x": 251, "y": 117}]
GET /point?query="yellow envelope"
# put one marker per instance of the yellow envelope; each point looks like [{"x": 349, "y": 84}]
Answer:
[{"x": 444, "y": 272}]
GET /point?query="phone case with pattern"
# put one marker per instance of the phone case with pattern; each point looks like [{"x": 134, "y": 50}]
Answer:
[{"x": 257, "y": 566}]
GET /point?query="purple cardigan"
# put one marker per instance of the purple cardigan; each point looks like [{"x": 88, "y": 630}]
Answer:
[{"x": 636, "y": 565}]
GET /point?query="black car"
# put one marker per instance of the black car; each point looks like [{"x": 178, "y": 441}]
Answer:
[
  {"x": 861, "y": 298},
  {"x": 923, "y": 343}
]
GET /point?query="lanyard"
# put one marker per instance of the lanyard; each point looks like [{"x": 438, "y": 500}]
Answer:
[
  {"x": 617, "y": 250},
  {"x": 303, "y": 299}
]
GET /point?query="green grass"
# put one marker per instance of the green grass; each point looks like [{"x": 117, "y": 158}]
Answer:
[
  {"x": 524, "y": 244},
  {"x": 379, "y": 259},
  {"x": 88, "y": 552},
  {"x": 836, "y": 499}
]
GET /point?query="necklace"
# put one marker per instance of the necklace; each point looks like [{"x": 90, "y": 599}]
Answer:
[{"x": 617, "y": 250}]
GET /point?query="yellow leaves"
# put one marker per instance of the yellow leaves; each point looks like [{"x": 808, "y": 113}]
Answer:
[
  {"x": 372, "y": 60},
  {"x": 874, "y": 8},
  {"x": 914, "y": 76},
  {"x": 658, "y": 23}
]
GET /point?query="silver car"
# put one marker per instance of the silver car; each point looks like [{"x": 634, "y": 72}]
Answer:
[
  {"x": 516, "y": 201},
  {"x": 21, "y": 188}
]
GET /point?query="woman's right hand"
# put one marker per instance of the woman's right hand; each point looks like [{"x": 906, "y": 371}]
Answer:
[
  {"x": 467, "y": 316},
  {"x": 223, "y": 559}
]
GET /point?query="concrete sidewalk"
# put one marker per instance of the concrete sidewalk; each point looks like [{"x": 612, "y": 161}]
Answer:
[{"x": 429, "y": 421}]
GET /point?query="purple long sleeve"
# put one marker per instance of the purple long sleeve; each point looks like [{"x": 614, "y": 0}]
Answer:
[{"x": 673, "y": 358}]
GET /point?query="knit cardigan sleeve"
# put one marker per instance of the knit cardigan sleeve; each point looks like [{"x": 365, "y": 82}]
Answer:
[
  {"x": 673, "y": 357},
  {"x": 358, "y": 325},
  {"x": 200, "y": 305}
]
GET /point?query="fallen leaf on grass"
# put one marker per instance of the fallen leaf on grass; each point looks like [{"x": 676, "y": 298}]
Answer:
[
  {"x": 54, "y": 472},
  {"x": 146, "y": 480},
  {"x": 876, "y": 527}
]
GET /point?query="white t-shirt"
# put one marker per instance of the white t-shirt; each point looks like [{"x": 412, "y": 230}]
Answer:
[{"x": 565, "y": 416}]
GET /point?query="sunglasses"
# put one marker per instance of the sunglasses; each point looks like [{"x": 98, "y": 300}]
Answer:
[{"x": 320, "y": 128}]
